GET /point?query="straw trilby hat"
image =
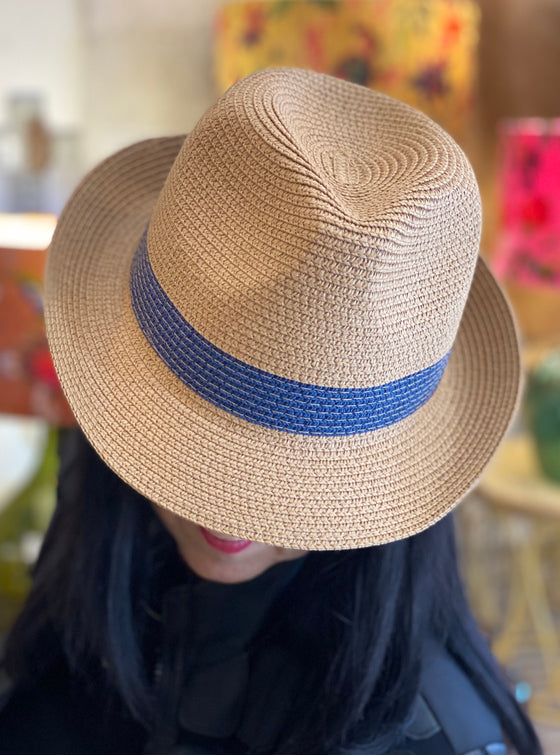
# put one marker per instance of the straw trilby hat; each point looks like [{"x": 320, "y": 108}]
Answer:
[{"x": 279, "y": 327}]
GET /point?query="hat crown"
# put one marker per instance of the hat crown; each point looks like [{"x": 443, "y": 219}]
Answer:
[{"x": 318, "y": 231}]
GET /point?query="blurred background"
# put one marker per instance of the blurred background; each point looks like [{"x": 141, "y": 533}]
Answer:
[{"x": 80, "y": 79}]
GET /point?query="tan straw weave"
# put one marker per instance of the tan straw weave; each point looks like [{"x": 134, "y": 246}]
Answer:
[{"x": 314, "y": 232}]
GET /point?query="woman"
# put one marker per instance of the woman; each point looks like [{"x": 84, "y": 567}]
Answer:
[{"x": 266, "y": 333}]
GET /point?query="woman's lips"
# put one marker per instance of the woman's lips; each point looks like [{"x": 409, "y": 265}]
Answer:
[{"x": 223, "y": 544}]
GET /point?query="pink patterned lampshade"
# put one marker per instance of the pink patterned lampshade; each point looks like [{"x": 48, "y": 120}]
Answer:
[
  {"x": 420, "y": 51},
  {"x": 528, "y": 251}
]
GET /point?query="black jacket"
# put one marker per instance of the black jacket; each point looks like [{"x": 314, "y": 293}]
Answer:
[
  {"x": 223, "y": 693},
  {"x": 61, "y": 716}
]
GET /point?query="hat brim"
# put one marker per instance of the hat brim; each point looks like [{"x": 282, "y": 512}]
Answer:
[{"x": 225, "y": 473}]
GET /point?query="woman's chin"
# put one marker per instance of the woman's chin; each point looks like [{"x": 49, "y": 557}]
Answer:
[{"x": 225, "y": 571}]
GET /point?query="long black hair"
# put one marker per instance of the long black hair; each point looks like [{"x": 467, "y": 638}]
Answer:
[{"x": 361, "y": 635}]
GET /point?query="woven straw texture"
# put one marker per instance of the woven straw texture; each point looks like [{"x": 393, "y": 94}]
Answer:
[{"x": 322, "y": 233}]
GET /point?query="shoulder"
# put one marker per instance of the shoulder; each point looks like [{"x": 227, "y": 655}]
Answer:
[
  {"x": 58, "y": 715},
  {"x": 449, "y": 716}
]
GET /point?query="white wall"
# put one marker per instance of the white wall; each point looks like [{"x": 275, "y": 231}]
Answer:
[
  {"x": 148, "y": 69},
  {"x": 41, "y": 49},
  {"x": 122, "y": 69}
]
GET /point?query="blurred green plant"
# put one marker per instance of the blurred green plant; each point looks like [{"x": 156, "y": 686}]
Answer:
[
  {"x": 22, "y": 525},
  {"x": 542, "y": 407}
]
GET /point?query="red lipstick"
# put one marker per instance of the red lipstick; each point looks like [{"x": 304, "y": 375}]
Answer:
[{"x": 223, "y": 545}]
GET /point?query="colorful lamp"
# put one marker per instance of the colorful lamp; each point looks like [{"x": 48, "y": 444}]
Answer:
[
  {"x": 529, "y": 246},
  {"x": 28, "y": 382},
  {"x": 420, "y": 51},
  {"x": 527, "y": 256}
]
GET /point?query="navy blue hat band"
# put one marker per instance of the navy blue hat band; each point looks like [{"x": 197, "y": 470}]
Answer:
[{"x": 258, "y": 396}]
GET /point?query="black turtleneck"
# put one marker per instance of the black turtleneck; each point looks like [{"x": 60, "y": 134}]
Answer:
[{"x": 215, "y": 684}]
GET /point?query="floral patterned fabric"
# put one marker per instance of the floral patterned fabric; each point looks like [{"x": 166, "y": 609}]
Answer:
[
  {"x": 529, "y": 248},
  {"x": 28, "y": 382},
  {"x": 419, "y": 51}
]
